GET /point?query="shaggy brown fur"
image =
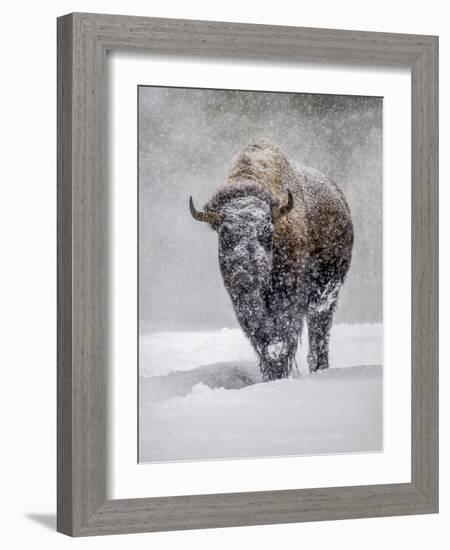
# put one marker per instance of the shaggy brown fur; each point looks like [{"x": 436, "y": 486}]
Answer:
[{"x": 320, "y": 221}]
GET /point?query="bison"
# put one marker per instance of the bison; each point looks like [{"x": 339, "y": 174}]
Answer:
[{"x": 285, "y": 244}]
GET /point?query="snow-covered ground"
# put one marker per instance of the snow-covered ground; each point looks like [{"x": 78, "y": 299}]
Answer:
[
  {"x": 201, "y": 397},
  {"x": 163, "y": 352}
]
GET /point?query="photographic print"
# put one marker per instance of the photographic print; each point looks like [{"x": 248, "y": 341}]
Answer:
[{"x": 260, "y": 274}]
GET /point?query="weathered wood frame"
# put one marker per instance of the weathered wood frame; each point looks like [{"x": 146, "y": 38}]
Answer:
[{"x": 83, "y": 40}]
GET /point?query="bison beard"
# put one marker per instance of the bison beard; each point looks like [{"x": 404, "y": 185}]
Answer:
[{"x": 285, "y": 242}]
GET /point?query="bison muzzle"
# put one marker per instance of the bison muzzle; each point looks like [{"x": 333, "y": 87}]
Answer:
[{"x": 285, "y": 244}]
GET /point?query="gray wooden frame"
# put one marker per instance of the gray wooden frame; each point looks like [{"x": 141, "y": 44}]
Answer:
[{"x": 83, "y": 40}]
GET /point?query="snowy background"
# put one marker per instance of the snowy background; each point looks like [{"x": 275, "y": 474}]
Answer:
[{"x": 200, "y": 392}]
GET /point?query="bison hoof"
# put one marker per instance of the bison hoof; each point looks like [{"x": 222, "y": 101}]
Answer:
[
  {"x": 317, "y": 363},
  {"x": 275, "y": 371}
]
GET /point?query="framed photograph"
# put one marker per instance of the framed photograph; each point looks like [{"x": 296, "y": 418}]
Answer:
[{"x": 247, "y": 274}]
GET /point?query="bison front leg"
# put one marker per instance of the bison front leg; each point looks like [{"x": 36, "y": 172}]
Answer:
[
  {"x": 319, "y": 325},
  {"x": 278, "y": 346}
]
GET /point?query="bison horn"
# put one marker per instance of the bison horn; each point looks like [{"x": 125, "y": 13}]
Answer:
[
  {"x": 283, "y": 210},
  {"x": 209, "y": 217}
]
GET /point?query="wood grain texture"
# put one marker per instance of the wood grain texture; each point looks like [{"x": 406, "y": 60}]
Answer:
[
  {"x": 83, "y": 40},
  {"x": 64, "y": 297},
  {"x": 424, "y": 275}
]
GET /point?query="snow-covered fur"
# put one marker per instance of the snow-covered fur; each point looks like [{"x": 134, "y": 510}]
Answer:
[{"x": 281, "y": 268}]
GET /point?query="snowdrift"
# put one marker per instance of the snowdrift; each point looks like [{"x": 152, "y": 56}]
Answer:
[
  {"x": 205, "y": 400},
  {"x": 350, "y": 346}
]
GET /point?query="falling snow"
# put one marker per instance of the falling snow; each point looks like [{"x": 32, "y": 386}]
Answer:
[{"x": 284, "y": 244}]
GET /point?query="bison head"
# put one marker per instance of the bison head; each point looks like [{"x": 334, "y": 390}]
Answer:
[{"x": 244, "y": 220}]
